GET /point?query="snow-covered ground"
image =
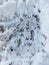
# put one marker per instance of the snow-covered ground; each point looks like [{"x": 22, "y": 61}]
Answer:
[{"x": 24, "y": 32}]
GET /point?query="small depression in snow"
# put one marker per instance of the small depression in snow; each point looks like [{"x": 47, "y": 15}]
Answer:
[{"x": 3, "y": 1}]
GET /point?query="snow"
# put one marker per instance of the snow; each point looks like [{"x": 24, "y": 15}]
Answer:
[
  {"x": 45, "y": 22},
  {"x": 25, "y": 39}
]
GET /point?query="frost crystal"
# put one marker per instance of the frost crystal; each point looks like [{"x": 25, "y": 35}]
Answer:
[{"x": 22, "y": 37}]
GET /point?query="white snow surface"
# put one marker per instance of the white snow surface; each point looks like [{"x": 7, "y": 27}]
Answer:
[{"x": 24, "y": 32}]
